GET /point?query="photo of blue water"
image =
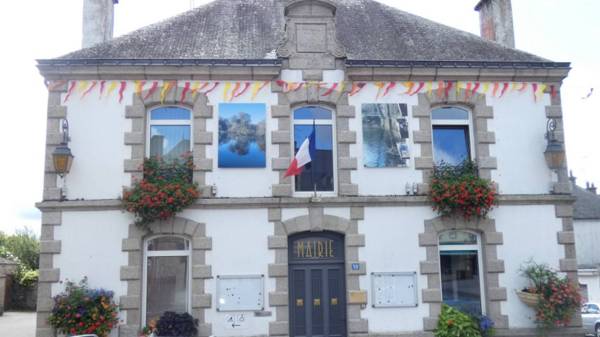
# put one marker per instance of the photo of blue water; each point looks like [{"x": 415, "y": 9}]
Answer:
[{"x": 242, "y": 140}]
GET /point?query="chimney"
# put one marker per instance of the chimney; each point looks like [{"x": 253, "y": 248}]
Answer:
[
  {"x": 590, "y": 188},
  {"x": 98, "y": 19},
  {"x": 496, "y": 22}
]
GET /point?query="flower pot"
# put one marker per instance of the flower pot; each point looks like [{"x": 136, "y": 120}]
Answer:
[{"x": 530, "y": 299}]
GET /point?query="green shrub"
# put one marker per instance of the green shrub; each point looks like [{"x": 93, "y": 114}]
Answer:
[{"x": 455, "y": 323}]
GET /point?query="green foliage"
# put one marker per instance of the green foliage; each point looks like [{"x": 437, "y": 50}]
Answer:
[
  {"x": 24, "y": 248},
  {"x": 559, "y": 297},
  {"x": 458, "y": 190},
  {"x": 455, "y": 323},
  {"x": 81, "y": 310},
  {"x": 165, "y": 190}
]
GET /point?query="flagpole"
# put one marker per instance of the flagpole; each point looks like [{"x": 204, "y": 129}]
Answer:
[{"x": 312, "y": 168}]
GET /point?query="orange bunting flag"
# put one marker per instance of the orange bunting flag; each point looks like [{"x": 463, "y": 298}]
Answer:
[
  {"x": 243, "y": 91},
  {"x": 102, "y": 85},
  {"x": 409, "y": 87},
  {"x": 448, "y": 88},
  {"x": 495, "y": 90},
  {"x": 152, "y": 90},
  {"x": 215, "y": 85},
  {"x": 92, "y": 86},
  {"x": 379, "y": 86},
  {"x": 523, "y": 87},
  {"x": 122, "y": 90},
  {"x": 468, "y": 90},
  {"x": 504, "y": 88},
  {"x": 330, "y": 90},
  {"x": 486, "y": 87},
  {"x": 70, "y": 91},
  {"x": 184, "y": 92},
  {"x": 356, "y": 88},
  {"x": 419, "y": 88},
  {"x": 475, "y": 88},
  {"x": 165, "y": 90},
  {"x": 139, "y": 87},
  {"x": 236, "y": 87},
  {"x": 389, "y": 88}
]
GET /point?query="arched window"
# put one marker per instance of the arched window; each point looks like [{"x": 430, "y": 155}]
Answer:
[
  {"x": 316, "y": 124},
  {"x": 452, "y": 135},
  {"x": 166, "y": 276},
  {"x": 461, "y": 271},
  {"x": 169, "y": 132}
]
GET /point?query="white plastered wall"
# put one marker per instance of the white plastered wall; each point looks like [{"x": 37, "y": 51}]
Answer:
[
  {"x": 529, "y": 232},
  {"x": 242, "y": 182},
  {"x": 388, "y": 180},
  {"x": 520, "y": 125},
  {"x": 91, "y": 246},
  {"x": 392, "y": 245},
  {"x": 587, "y": 237},
  {"x": 97, "y": 127},
  {"x": 239, "y": 248}
]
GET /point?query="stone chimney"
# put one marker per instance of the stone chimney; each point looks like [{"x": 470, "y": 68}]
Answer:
[
  {"x": 98, "y": 20},
  {"x": 496, "y": 21},
  {"x": 590, "y": 187}
]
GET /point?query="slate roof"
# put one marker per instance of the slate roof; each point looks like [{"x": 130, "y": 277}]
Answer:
[
  {"x": 587, "y": 204},
  {"x": 252, "y": 29}
]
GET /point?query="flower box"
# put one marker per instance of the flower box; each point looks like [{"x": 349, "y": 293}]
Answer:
[{"x": 530, "y": 299}]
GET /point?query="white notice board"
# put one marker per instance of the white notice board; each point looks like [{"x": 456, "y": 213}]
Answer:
[
  {"x": 394, "y": 289},
  {"x": 240, "y": 293}
]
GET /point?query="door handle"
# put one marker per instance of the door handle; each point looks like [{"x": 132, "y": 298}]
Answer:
[
  {"x": 317, "y": 302},
  {"x": 299, "y": 302}
]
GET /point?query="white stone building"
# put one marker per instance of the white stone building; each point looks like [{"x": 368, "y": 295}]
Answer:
[{"x": 304, "y": 65}]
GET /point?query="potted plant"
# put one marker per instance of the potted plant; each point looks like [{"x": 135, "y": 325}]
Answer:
[
  {"x": 81, "y": 310},
  {"x": 455, "y": 323},
  {"x": 553, "y": 296},
  {"x": 458, "y": 190},
  {"x": 173, "y": 324},
  {"x": 165, "y": 190}
]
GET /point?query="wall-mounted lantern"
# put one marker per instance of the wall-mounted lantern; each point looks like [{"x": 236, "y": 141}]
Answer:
[
  {"x": 62, "y": 156},
  {"x": 555, "y": 150}
]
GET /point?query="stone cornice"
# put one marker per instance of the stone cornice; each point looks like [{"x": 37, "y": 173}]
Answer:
[{"x": 366, "y": 201}]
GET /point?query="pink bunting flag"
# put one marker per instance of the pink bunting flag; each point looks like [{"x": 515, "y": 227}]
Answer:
[
  {"x": 122, "y": 90},
  {"x": 419, "y": 88},
  {"x": 152, "y": 90},
  {"x": 330, "y": 90},
  {"x": 70, "y": 91},
  {"x": 390, "y": 86},
  {"x": 184, "y": 92},
  {"x": 215, "y": 85},
  {"x": 92, "y": 86}
]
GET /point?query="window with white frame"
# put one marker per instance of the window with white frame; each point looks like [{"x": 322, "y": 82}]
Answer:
[
  {"x": 166, "y": 276},
  {"x": 169, "y": 132},
  {"x": 461, "y": 271},
  {"x": 452, "y": 135},
  {"x": 316, "y": 124}
]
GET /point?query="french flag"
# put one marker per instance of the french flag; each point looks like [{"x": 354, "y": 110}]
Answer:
[{"x": 304, "y": 156}]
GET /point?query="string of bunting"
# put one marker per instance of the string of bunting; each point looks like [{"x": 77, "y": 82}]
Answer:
[{"x": 233, "y": 90}]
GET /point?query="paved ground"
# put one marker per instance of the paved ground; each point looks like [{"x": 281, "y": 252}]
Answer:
[{"x": 17, "y": 324}]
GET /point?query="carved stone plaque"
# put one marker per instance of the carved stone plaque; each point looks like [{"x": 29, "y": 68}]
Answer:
[{"x": 311, "y": 37}]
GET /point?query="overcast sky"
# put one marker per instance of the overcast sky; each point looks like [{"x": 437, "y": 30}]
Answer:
[{"x": 559, "y": 30}]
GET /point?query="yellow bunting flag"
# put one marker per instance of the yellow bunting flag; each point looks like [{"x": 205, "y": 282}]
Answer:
[
  {"x": 429, "y": 86},
  {"x": 226, "y": 90},
  {"x": 82, "y": 86},
  {"x": 485, "y": 88},
  {"x": 257, "y": 88},
  {"x": 513, "y": 86},
  {"x": 111, "y": 87},
  {"x": 459, "y": 85},
  {"x": 165, "y": 90},
  {"x": 194, "y": 88},
  {"x": 538, "y": 90},
  {"x": 379, "y": 86},
  {"x": 342, "y": 87},
  {"x": 92, "y": 86}
]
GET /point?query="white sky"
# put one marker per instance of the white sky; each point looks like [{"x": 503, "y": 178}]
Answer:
[{"x": 559, "y": 30}]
